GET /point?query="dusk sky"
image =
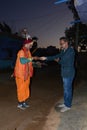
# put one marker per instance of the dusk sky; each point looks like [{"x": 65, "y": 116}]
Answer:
[{"x": 42, "y": 18}]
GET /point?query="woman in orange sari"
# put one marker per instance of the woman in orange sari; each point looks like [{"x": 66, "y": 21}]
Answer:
[{"x": 23, "y": 72}]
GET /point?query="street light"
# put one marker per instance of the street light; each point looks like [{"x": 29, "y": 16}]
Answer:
[{"x": 61, "y": 1}]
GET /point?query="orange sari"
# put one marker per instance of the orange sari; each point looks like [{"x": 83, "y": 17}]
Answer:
[{"x": 22, "y": 73}]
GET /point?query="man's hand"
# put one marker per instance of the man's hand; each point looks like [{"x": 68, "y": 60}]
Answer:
[
  {"x": 57, "y": 60},
  {"x": 43, "y": 58}
]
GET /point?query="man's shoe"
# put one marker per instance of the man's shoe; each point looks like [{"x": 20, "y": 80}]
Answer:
[
  {"x": 64, "y": 109},
  {"x": 61, "y": 105},
  {"x": 25, "y": 105},
  {"x": 21, "y": 106}
]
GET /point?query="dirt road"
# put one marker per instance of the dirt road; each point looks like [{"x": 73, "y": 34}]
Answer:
[{"x": 46, "y": 90}]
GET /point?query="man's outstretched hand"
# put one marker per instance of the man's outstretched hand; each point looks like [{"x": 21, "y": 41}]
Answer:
[
  {"x": 43, "y": 58},
  {"x": 39, "y": 58}
]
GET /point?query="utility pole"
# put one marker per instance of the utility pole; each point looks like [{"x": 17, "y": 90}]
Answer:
[{"x": 77, "y": 35}]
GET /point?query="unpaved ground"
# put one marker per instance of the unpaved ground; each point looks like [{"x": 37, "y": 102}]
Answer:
[{"x": 46, "y": 90}]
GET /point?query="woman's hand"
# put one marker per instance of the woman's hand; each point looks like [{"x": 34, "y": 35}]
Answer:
[{"x": 36, "y": 58}]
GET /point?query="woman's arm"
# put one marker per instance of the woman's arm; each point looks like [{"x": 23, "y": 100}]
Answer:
[{"x": 24, "y": 60}]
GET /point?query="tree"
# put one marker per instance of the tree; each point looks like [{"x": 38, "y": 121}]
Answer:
[
  {"x": 5, "y": 28},
  {"x": 71, "y": 32},
  {"x": 78, "y": 31}
]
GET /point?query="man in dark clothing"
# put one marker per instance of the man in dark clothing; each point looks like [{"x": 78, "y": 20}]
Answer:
[{"x": 66, "y": 58}]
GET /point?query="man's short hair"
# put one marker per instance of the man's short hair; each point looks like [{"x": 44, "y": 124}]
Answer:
[{"x": 65, "y": 39}]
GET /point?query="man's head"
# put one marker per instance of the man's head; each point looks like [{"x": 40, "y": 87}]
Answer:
[
  {"x": 64, "y": 43},
  {"x": 28, "y": 43}
]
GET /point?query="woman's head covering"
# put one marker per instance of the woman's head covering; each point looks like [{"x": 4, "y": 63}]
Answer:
[{"x": 28, "y": 41}]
